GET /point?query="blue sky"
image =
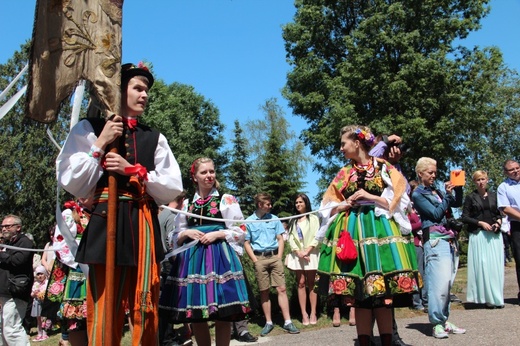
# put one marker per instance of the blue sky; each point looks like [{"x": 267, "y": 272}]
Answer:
[{"x": 230, "y": 51}]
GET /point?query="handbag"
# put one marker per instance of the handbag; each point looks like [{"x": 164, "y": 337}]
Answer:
[
  {"x": 19, "y": 285},
  {"x": 345, "y": 249}
]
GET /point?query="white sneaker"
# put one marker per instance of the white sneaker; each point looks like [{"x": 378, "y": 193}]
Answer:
[{"x": 439, "y": 332}]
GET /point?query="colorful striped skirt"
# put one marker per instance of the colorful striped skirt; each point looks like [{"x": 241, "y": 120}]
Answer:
[
  {"x": 386, "y": 265},
  {"x": 206, "y": 282}
]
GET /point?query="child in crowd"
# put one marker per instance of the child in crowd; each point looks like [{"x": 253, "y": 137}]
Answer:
[{"x": 38, "y": 293}]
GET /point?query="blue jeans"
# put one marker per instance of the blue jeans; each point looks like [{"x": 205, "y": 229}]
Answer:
[
  {"x": 420, "y": 299},
  {"x": 441, "y": 260}
]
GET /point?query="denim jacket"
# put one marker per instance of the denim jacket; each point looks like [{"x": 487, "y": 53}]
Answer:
[{"x": 431, "y": 211}]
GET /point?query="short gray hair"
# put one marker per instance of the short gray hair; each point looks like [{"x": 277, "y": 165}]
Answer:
[{"x": 16, "y": 218}]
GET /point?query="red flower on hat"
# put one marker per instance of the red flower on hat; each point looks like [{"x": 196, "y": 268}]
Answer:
[{"x": 141, "y": 65}]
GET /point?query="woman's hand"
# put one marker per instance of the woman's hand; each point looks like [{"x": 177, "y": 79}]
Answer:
[
  {"x": 208, "y": 238},
  {"x": 193, "y": 234},
  {"x": 342, "y": 207},
  {"x": 303, "y": 255},
  {"x": 485, "y": 226},
  {"x": 359, "y": 195},
  {"x": 116, "y": 163},
  {"x": 448, "y": 186}
]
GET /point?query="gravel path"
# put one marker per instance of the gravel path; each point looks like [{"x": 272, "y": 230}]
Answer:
[{"x": 484, "y": 326}]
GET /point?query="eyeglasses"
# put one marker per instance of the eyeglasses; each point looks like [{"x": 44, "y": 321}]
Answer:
[{"x": 9, "y": 226}]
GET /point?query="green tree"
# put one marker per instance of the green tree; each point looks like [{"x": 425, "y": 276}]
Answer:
[
  {"x": 189, "y": 122},
  {"x": 278, "y": 156},
  {"x": 489, "y": 148},
  {"x": 243, "y": 180},
  {"x": 394, "y": 66},
  {"x": 28, "y": 159}
]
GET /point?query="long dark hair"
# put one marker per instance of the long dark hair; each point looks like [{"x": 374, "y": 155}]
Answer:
[{"x": 308, "y": 207}]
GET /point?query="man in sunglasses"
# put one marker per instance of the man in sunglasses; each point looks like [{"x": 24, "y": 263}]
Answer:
[{"x": 14, "y": 262}]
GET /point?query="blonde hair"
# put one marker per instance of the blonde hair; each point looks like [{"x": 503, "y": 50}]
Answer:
[
  {"x": 479, "y": 174},
  {"x": 423, "y": 163}
]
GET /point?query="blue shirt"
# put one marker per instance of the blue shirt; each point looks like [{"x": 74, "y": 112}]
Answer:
[
  {"x": 508, "y": 194},
  {"x": 262, "y": 235}
]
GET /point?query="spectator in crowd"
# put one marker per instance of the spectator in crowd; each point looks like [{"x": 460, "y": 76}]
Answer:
[
  {"x": 38, "y": 294},
  {"x": 508, "y": 196},
  {"x": 439, "y": 235},
  {"x": 264, "y": 245},
  {"x": 167, "y": 334},
  {"x": 485, "y": 283},
  {"x": 303, "y": 258},
  {"x": 240, "y": 332},
  {"x": 15, "y": 263},
  {"x": 368, "y": 200},
  {"x": 48, "y": 255}
]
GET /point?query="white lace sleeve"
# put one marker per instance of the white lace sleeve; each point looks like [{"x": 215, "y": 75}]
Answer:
[
  {"x": 400, "y": 214},
  {"x": 235, "y": 230}
]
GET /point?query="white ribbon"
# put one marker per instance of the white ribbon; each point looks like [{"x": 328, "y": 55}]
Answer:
[
  {"x": 3, "y": 94},
  {"x": 11, "y": 102}
]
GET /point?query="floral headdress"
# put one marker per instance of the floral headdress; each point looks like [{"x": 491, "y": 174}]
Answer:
[{"x": 365, "y": 136}]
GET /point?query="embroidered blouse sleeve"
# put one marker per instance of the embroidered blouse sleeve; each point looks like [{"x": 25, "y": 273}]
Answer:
[
  {"x": 235, "y": 230},
  {"x": 400, "y": 213}
]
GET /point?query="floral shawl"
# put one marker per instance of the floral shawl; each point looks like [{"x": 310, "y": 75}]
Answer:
[{"x": 387, "y": 178}]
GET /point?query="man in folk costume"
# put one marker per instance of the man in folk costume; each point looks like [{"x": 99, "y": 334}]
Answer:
[{"x": 147, "y": 175}]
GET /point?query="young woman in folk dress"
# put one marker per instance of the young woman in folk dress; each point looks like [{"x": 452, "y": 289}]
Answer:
[
  {"x": 367, "y": 198},
  {"x": 206, "y": 282}
]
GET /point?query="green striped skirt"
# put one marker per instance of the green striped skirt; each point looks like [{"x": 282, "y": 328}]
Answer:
[{"x": 386, "y": 265}]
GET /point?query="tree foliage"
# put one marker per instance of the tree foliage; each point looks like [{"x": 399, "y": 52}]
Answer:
[
  {"x": 189, "y": 122},
  {"x": 243, "y": 179},
  {"x": 279, "y": 158},
  {"x": 395, "y": 66}
]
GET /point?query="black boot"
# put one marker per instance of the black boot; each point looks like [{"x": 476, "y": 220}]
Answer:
[
  {"x": 386, "y": 339},
  {"x": 364, "y": 340}
]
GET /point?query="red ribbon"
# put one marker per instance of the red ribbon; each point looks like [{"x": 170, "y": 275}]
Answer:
[
  {"x": 131, "y": 123},
  {"x": 72, "y": 205},
  {"x": 139, "y": 170}
]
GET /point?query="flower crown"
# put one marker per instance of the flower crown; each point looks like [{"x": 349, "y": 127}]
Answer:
[{"x": 365, "y": 136}]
